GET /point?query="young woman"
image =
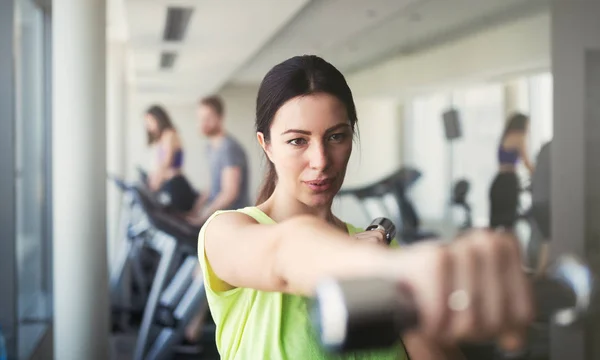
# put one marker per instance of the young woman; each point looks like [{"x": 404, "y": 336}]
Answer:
[
  {"x": 261, "y": 263},
  {"x": 505, "y": 189},
  {"x": 167, "y": 175}
]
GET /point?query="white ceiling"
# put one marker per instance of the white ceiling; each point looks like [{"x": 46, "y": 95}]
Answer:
[
  {"x": 220, "y": 38},
  {"x": 238, "y": 41}
]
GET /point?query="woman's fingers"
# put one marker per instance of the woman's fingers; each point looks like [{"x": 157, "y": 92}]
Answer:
[
  {"x": 464, "y": 302},
  {"x": 372, "y": 236},
  {"x": 471, "y": 289},
  {"x": 426, "y": 269}
]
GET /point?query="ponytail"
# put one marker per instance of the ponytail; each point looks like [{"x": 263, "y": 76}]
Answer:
[{"x": 268, "y": 185}]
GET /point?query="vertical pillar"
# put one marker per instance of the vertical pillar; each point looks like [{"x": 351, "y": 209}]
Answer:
[
  {"x": 81, "y": 316},
  {"x": 575, "y": 168}
]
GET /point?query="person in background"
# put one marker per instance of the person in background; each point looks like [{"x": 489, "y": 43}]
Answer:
[
  {"x": 505, "y": 189},
  {"x": 167, "y": 176},
  {"x": 227, "y": 164},
  {"x": 228, "y": 181}
]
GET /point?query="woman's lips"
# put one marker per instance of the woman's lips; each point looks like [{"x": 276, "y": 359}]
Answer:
[{"x": 319, "y": 185}]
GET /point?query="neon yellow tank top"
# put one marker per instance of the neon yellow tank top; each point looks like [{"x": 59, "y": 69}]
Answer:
[{"x": 252, "y": 324}]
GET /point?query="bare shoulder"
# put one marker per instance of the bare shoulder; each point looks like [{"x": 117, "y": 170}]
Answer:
[
  {"x": 226, "y": 223},
  {"x": 240, "y": 250},
  {"x": 513, "y": 141},
  {"x": 169, "y": 135}
]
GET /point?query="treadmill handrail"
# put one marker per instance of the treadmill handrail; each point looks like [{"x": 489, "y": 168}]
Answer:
[
  {"x": 403, "y": 178},
  {"x": 164, "y": 221}
]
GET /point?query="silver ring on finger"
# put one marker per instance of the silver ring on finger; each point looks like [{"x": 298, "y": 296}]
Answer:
[{"x": 459, "y": 300}]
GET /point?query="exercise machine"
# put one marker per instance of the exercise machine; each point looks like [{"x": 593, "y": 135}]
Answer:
[
  {"x": 460, "y": 190},
  {"x": 176, "y": 295},
  {"x": 133, "y": 269},
  {"x": 390, "y": 194},
  {"x": 143, "y": 176},
  {"x": 153, "y": 278}
]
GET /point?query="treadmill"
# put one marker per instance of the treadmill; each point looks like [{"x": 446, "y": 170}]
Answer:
[
  {"x": 391, "y": 195},
  {"x": 132, "y": 271},
  {"x": 176, "y": 295}
]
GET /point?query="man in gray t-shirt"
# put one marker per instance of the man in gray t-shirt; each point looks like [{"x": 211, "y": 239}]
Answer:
[
  {"x": 227, "y": 163},
  {"x": 225, "y": 157}
]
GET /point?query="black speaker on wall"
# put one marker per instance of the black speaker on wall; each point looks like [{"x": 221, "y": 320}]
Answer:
[{"x": 452, "y": 124}]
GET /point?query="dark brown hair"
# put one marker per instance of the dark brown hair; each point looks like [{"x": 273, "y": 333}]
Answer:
[
  {"x": 214, "y": 102},
  {"x": 517, "y": 122},
  {"x": 297, "y": 76},
  {"x": 162, "y": 119}
]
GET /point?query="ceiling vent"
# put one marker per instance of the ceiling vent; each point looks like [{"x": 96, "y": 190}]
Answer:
[
  {"x": 167, "y": 59},
  {"x": 178, "y": 19}
]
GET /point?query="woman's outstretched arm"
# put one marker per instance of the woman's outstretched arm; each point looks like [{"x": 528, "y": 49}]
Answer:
[{"x": 293, "y": 256}]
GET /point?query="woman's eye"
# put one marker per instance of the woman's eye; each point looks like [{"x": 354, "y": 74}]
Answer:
[
  {"x": 297, "y": 142},
  {"x": 337, "y": 137}
]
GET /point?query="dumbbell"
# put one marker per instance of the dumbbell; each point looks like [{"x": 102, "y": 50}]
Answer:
[
  {"x": 371, "y": 313},
  {"x": 385, "y": 225}
]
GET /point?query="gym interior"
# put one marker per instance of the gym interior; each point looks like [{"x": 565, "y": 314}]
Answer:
[{"x": 88, "y": 272}]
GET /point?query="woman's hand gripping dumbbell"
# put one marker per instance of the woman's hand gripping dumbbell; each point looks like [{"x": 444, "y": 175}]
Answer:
[
  {"x": 380, "y": 231},
  {"x": 368, "y": 313}
]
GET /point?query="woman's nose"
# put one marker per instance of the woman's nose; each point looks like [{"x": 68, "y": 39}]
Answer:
[{"x": 319, "y": 159}]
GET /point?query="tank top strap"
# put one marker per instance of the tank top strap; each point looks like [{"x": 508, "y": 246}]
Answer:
[{"x": 257, "y": 214}]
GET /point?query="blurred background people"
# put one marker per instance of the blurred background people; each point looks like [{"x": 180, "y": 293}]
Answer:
[
  {"x": 167, "y": 175},
  {"x": 505, "y": 189},
  {"x": 226, "y": 161}
]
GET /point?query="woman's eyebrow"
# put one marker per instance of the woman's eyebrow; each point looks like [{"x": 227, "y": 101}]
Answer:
[
  {"x": 296, "y": 131},
  {"x": 305, "y": 132},
  {"x": 336, "y": 127}
]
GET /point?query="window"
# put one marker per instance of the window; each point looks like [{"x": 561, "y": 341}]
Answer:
[
  {"x": 426, "y": 150},
  {"x": 32, "y": 157},
  {"x": 541, "y": 111},
  {"x": 481, "y": 110},
  {"x": 482, "y": 114},
  {"x": 472, "y": 157}
]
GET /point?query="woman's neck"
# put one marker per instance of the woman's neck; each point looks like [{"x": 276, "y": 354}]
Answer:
[{"x": 281, "y": 207}]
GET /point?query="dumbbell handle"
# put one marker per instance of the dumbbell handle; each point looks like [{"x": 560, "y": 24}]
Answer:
[
  {"x": 370, "y": 313},
  {"x": 385, "y": 225}
]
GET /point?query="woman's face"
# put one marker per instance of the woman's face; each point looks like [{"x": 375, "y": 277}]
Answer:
[
  {"x": 151, "y": 124},
  {"x": 310, "y": 145}
]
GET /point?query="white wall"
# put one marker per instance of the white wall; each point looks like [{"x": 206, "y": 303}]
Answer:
[
  {"x": 136, "y": 138},
  {"x": 375, "y": 154},
  {"x": 520, "y": 46}
]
